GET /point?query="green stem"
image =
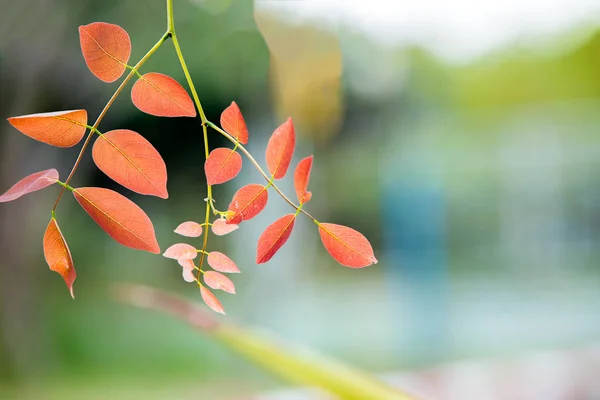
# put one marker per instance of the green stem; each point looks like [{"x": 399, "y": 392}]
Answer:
[
  {"x": 65, "y": 186},
  {"x": 190, "y": 82},
  {"x": 259, "y": 168},
  {"x": 133, "y": 71}
]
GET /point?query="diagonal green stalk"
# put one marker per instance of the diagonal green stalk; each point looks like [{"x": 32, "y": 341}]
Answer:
[
  {"x": 134, "y": 70},
  {"x": 299, "y": 365}
]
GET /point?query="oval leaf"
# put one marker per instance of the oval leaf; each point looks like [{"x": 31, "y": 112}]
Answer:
[
  {"x": 220, "y": 262},
  {"x": 216, "y": 280},
  {"x": 188, "y": 275},
  {"x": 274, "y": 237},
  {"x": 220, "y": 227},
  {"x": 106, "y": 49},
  {"x": 160, "y": 95},
  {"x": 130, "y": 160},
  {"x": 247, "y": 203},
  {"x": 29, "y": 184},
  {"x": 186, "y": 263},
  {"x": 181, "y": 251},
  {"x": 211, "y": 300},
  {"x": 347, "y": 246},
  {"x": 60, "y": 128},
  {"x": 222, "y": 165},
  {"x": 280, "y": 149},
  {"x": 189, "y": 229},
  {"x": 301, "y": 178},
  {"x": 120, "y": 217},
  {"x": 233, "y": 123},
  {"x": 58, "y": 255}
]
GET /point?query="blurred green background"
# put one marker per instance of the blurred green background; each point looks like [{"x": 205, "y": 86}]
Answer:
[{"x": 468, "y": 154}]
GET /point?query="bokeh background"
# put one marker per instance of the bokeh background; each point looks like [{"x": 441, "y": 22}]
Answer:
[{"x": 461, "y": 137}]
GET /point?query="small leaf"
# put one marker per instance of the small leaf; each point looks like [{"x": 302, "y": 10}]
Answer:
[
  {"x": 211, "y": 300},
  {"x": 59, "y": 128},
  {"x": 220, "y": 227},
  {"x": 247, "y": 203},
  {"x": 274, "y": 237},
  {"x": 130, "y": 160},
  {"x": 181, "y": 251},
  {"x": 162, "y": 96},
  {"x": 106, "y": 49},
  {"x": 29, "y": 184},
  {"x": 347, "y": 246},
  {"x": 57, "y": 254},
  {"x": 220, "y": 262},
  {"x": 218, "y": 281},
  {"x": 222, "y": 165},
  {"x": 233, "y": 123},
  {"x": 186, "y": 263},
  {"x": 301, "y": 178},
  {"x": 118, "y": 216},
  {"x": 188, "y": 275},
  {"x": 189, "y": 229},
  {"x": 280, "y": 149}
]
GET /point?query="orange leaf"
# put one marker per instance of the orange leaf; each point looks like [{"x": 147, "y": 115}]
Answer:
[
  {"x": 29, "y": 184},
  {"x": 160, "y": 95},
  {"x": 280, "y": 149},
  {"x": 181, "y": 251},
  {"x": 220, "y": 262},
  {"x": 247, "y": 203},
  {"x": 106, "y": 49},
  {"x": 211, "y": 300},
  {"x": 220, "y": 227},
  {"x": 120, "y": 217},
  {"x": 222, "y": 165},
  {"x": 274, "y": 237},
  {"x": 189, "y": 229},
  {"x": 217, "y": 280},
  {"x": 347, "y": 246},
  {"x": 130, "y": 160},
  {"x": 301, "y": 178},
  {"x": 233, "y": 123},
  {"x": 59, "y": 128},
  {"x": 57, "y": 254}
]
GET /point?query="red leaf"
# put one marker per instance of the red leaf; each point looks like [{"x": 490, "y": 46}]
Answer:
[
  {"x": 189, "y": 229},
  {"x": 274, "y": 237},
  {"x": 347, "y": 246},
  {"x": 217, "y": 280},
  {"x": 220, "y": 227},
  {"x": 29, "y": 184},
  {"x": 211, "y": 300},
  {"x": 57, "y": 254},
  {"x": 233, "y": 123},
  {"x": 220, "y": 262},
  {"x": 280, "y": 149},
  {"x": 120, "y": 217},
  {"x": 301, "y": 178},
  {"x": 181, "y": 251},
  {"x": 130, "y": 160},
  {"x": 160, "y": 95},
  {"x": 59, "y": 128},
  {"x": 247, "y": 203},
  {"x": 222, "y": 165},
  {"x": 106, "y": 49}
]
